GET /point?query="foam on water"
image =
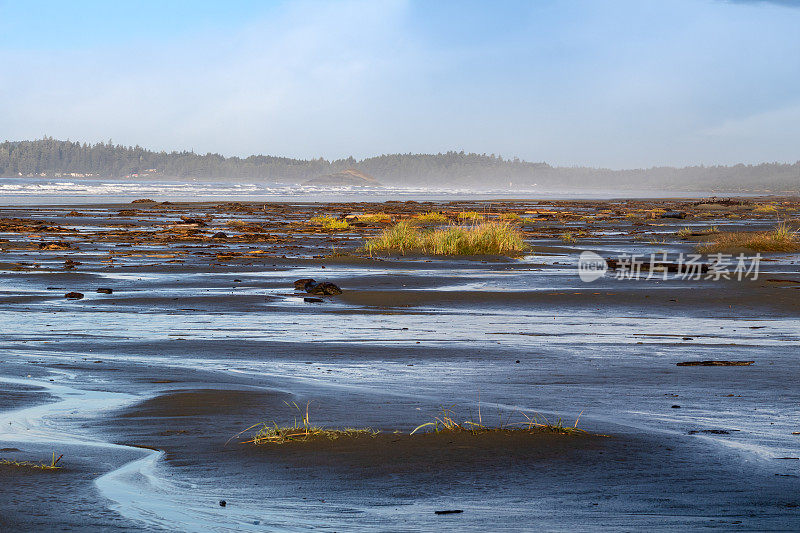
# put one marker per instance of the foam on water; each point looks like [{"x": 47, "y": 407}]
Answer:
[
  {"x": 141, "y": 490},
  {"x": 44, "y": 191}
]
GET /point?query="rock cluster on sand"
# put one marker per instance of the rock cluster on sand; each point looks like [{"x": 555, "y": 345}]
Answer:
[{"x": 324, "y": 288}]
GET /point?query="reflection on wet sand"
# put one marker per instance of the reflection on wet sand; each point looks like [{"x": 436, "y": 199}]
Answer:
[{"x": 200, "y": 337}]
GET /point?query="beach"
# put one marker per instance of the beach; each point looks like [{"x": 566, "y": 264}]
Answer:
[{"x": 198, "y": 333}]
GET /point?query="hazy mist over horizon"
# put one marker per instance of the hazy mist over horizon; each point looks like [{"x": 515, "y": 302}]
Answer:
[
  {"x": 52, "y": 158},
  {"x": 618, "y": 85}
]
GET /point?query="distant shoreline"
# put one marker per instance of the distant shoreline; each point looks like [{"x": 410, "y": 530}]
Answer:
[{"x": 47, "y": 157}]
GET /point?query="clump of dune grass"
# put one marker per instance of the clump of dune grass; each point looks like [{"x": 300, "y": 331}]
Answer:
[
  {"x": 374, "y": 217},
  {"x": 299, "y": 431},
  {"x": 511, "y": 217},
  {"x": 686, "y": 232},
  {"x": 52, "y": 465},
  {"x": 780, "y": 239},
  {"x": 489, "y": 238},
  {"x": 304, "y": 431},
  {"x": 330, "y": 223},
  {"x": 432, "y": 217},
  {"x": 568, "y": 237},
  {"x": 765, "y": 209},
  {"x": 470, "y": 216},
  {"x": 447, "y": 422},
  {"x": 400, "y": 238}
]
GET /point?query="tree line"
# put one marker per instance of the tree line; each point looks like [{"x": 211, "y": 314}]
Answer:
[{"x": 50, "y": 157}]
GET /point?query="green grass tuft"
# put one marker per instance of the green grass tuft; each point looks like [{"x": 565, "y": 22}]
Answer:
[
  {"x": 304, "y": 431},
  {"x": 330, "y": 223},
  {"x": 448, "y": 422},
  {"x": 568, "y": 237},
  {"x": 433, "y": 217},
  {"x": 52, "y": 465},
  {"x": 300, "y": 431},
  {"x": 471, "y": 216},
  {"x": 765, "y": 209},
  {"x": 780, "y": 239},
  {"x": 373, "y": 218},
  {"x": 488, "y": 238},
  {"x": 685, "y": 233},
  {"x": 511, "y": 217}
]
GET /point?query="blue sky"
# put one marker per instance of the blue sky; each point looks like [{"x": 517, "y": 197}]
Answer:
[{"x": 619, "y": 84}]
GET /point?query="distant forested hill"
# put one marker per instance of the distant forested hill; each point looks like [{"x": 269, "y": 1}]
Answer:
[{"x": 53, "y": 158}]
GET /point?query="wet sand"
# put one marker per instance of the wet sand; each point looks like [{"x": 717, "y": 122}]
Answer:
[{"x": 142, "y": 389}]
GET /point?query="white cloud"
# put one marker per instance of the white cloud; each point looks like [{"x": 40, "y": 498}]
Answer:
[{"x": 629, "y": 84}]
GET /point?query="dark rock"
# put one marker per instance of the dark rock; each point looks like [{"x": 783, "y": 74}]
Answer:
[
  {"x": 223, "y": 503},
  {"x": 673, "y": 214},
  {"x": 220, "y": 235},
  {"x": 324, "y": 288},
  {"x": 710, "y": 431},
  {"x": 69, "y": 263},
  {"x": 104, "y": 290},
  {"x": 313, "y": 300},
  {"x": 303, "y": 284},
  {"x": 449, "y": 511},
  {"x": 196, "y": 221},
  {"x": 716, "y": 363},
  {"x": 676, "y": 406},
  {"x": 74, "y": 295}
]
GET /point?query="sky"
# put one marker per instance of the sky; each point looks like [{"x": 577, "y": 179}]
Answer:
[{"x": 615, "y": 83}]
